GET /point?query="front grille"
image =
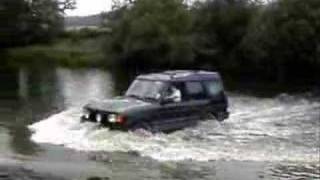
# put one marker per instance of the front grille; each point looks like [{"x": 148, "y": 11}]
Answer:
[
  {"x": 104, "y": 122},
  {"x": 93, "y": 114}
]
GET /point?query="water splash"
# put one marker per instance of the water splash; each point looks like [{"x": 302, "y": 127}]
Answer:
[{"x": 259, "y": 129}]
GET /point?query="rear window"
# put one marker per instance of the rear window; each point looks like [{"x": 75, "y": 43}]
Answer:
[
  {"x": 213, "y": 88},
  {"x": 194, "y": 90}
]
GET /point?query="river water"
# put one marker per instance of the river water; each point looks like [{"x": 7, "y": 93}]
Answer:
[{"x": 276, "y": 137}]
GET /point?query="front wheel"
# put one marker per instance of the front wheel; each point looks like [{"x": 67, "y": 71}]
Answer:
[
  {"x": 220, "y": 116},
  {"x": 141, "y": 128}
]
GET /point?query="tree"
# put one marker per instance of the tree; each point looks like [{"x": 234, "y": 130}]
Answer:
[
  {"x": 285, "y": 37},
  {"x": 66, "y": 5},
  {"x": 219, "y": 27},
  {"x": 23, "y": 22},
  {"x": 152, "y": 32},
  {"x": 118, "y": 4},
  {"x": 12, "y": 21}
]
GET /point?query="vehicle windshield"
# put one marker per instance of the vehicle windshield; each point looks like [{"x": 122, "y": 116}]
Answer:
[{"x": 146, "y": 89}]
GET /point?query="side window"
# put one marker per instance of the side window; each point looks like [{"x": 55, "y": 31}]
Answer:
[
  {"x": 213, "y": 88},
  {"x": 179, "y": 86},
  {"x": 194, "y": 90}
]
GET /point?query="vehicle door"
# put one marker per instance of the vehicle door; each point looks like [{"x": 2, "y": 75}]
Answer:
[
  {"x": 171, "y": 115},
  {"x": 196, "y": 99},
  {"x": 215, "y": 92},
  {"x": 188, "y": 110}
]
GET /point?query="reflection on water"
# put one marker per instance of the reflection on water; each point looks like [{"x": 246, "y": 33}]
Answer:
[
  {"x": 4, "y": 138},
  {"x": 78, "y": 87},
  {"x": 23, "y": 83},
  {"x": 29, "y": 95}
]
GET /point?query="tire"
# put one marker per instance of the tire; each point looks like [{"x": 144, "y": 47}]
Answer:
[
  {"x": 220, "y": 116},
  {"x": 209, "y": 116},
  {"x": 139, "y": 127}
]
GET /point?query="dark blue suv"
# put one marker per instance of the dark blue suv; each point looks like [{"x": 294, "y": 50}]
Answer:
[{"x": 163, "y": 101}]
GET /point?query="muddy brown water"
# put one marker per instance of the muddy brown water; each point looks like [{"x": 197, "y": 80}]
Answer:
[{"x": 276, "y": 137}]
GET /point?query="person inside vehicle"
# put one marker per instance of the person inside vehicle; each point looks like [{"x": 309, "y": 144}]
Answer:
[{"x": 175, "y": 94}]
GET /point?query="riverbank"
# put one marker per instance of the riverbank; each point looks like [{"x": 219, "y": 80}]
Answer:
[
  {"x": 88, "y": 48},
  {"x": 66, "y": 51}
]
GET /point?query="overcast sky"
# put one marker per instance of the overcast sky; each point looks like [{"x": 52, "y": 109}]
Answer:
[{"x": 89, "y": 7}]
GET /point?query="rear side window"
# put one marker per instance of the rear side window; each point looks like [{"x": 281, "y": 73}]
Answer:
[
  {"x": 194, "y": 90},
  {"x": 213, "y": 88}
]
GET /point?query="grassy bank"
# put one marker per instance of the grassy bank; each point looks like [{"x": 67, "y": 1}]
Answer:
[{"x": 66, "y": 51}]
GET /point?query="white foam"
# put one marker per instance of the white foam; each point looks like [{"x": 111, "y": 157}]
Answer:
[{"x": 249, "y": 134}]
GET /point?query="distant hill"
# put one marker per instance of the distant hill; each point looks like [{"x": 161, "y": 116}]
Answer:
[{"x": 73, "y": 22}]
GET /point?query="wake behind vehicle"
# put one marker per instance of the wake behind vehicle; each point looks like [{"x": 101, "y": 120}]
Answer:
[{"x": 163, "y": 101}]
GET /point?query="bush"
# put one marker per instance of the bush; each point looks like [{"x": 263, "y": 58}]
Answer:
[
  {"x": 284, "y": 41},
  {"x": 65, "y": 52},
  {"x": 151, "y": 34}
]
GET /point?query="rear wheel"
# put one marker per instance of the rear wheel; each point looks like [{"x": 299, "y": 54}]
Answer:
[
  {"x": 209, "y": 116},
  {"x": 219, "y": 116}
]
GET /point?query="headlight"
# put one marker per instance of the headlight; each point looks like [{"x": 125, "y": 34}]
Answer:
[
  {"x": 112, "y": 118},
  {"x": 116, "y": 118},
  {"x": 86, "y": 113},
  {"x": 99, "y": 118}
]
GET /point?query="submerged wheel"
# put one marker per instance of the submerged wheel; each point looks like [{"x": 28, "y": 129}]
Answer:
[
  {"x": 209, "y": 116},
  {"x": 220, "y": 116},
  {"x": 142, "y": 127}
]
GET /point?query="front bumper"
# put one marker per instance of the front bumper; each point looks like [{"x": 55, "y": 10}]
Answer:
[{"x": 104, "y": 122}]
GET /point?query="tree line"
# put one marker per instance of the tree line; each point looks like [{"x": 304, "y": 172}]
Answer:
[
  {"x": 23, "y": 22},
  {"x": 278, "y": 41}
]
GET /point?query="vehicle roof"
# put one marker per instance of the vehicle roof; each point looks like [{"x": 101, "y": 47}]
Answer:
[{"x": 181, "y": 75}]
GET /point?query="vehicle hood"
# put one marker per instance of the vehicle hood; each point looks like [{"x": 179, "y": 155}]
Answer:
[{"x": 117, "y": 105}]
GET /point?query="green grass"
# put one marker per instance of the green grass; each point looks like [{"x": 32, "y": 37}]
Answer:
[{"x": 70, "y": 52}]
